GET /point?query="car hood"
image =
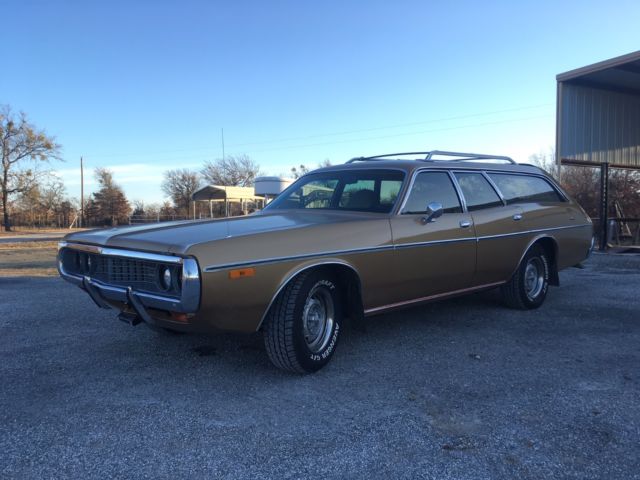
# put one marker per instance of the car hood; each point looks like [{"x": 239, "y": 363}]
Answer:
[{"x": 179, "y": 237}]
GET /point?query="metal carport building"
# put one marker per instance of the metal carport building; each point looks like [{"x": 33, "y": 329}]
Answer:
[{"x": 598, "y": 120}]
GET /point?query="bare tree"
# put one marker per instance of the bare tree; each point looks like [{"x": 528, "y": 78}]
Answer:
[
  {"x": 546, "y": 160},
  {"x": 303, "y": 169},
  {"x": 52, "y": 195},
  {"x": 109, "y": 205},
  {"x": 138, "y": 208},
  {"x": 583, "y": 184},
  {"x": 21, "y": 142},
  {"x": 180, "y": 185},
  {"x": 240, "y": 171},
  {"x": 299, "y": 172}
]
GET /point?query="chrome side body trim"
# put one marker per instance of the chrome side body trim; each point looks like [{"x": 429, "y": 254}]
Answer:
[
  {"x": 539, "y": 230},
  {"x": 293, "y": 274},
  {"x": 434, "y": 242},
  {"x": 215, "y": 268},
  {"x": 383, "y": 308}
]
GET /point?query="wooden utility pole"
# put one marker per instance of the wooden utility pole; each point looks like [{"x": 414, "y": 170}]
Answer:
[{"x": 81, "y": 222}]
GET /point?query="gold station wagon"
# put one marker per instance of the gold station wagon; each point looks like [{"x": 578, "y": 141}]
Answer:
[{"x": 342, "y": 242}]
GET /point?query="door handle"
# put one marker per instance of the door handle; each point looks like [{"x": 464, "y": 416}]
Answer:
[
  {"x": 517, "y": 217},
  {"x": 465, "y": 223}
]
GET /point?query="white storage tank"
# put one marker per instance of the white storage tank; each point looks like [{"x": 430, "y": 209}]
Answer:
[{"x": 270, "y": 187}]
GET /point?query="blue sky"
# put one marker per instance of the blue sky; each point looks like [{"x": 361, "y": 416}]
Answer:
[{"x": 142, "y": 87}]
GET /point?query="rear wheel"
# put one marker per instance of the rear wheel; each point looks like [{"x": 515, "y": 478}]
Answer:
[
  {"x": 528, "y": 287},
  {"x": 303, "y": 325}
]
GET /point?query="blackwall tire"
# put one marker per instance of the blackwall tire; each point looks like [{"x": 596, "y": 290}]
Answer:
[
  {"x": 528, "y": 287},
  {"x": 303, "y": 325}
]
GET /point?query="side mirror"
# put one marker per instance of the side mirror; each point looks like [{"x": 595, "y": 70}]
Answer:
[{"x": 434, "y": 210}]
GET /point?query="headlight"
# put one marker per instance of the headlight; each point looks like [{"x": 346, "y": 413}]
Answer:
[{"x": 165, "y": 278}]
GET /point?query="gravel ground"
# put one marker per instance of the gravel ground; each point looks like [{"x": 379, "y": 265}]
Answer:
[{"x": 457, "y": 389}]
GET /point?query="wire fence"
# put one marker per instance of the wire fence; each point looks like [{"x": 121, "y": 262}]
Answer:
[{"x": 40, "y": 221}]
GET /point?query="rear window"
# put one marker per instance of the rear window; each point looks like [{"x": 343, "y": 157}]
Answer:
[
  {"x": 524, "y": 188},
  {"x": 355, "y": 190}
]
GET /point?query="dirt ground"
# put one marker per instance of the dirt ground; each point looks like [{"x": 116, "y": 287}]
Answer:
[{"x": 462, "y": 389}]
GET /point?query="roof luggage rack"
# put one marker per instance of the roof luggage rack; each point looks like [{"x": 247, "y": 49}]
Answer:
[{"x": 429, "y": 157}]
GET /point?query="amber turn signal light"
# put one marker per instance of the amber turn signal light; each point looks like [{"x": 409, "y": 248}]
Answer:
[{"x": 241, "y": 273}]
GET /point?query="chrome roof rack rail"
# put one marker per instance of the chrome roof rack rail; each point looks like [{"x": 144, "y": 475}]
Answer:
[{"x": 453, "y": 157}]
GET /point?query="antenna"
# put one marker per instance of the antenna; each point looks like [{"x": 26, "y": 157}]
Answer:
[
  {"x": 222, "y": 133},
  {"x": 81, "y": 222}
]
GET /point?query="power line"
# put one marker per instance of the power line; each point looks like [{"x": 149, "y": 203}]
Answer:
[
  {"x": 406, "y": 133},
  {"x": 362, "y": 139},
  {"x": 445, "y": 119},
  {"x": 308, "y": 137}
]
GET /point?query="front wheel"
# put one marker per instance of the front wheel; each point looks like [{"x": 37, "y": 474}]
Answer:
[
  {"x": 528, "y": 287},
  {"x": 303, "y": 325}
]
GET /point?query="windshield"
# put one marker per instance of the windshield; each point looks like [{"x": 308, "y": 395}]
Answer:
[{"x": 351, "y": 190}]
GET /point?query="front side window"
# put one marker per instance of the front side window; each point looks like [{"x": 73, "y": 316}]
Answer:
[
  {"x": 431, "y": 187},
  {"x": 354, "y": 190},
  {"x": 477, "y": 191},
  {"x": 524, "y": 188}
]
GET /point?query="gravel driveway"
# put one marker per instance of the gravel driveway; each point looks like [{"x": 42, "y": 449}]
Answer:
[{"x": 458, "y": 389}]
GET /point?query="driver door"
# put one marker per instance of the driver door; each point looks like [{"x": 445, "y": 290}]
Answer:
[{"x": 437, "y": 256}]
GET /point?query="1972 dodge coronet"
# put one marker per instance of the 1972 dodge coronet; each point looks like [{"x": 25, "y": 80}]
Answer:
[{"x": 345, "y": 241}]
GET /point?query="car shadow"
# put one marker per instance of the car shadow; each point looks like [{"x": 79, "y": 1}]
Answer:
[{"x": 420, "y": 322}]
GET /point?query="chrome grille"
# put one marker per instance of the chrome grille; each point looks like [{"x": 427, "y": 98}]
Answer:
[
  {"x": 121, "y": 270},
  {"x": 141, "y": 275}
]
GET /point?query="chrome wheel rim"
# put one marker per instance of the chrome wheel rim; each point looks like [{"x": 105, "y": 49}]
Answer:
[
  {"x": 534, "y": 278},
  {"x": 318, "y": 317}
]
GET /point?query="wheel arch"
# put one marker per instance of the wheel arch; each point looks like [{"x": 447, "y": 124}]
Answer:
[
  {"x": 550, "y": 246},
  {"x": 347, "y": 276}
]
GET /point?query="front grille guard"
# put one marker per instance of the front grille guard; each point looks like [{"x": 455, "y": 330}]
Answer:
[{"x": 102, "y": 293}]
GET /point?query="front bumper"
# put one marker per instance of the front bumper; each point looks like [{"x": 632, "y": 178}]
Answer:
[{"x": 102, "y": 293}]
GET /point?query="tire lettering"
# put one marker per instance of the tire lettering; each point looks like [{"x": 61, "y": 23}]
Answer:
[{"x": 330, "y": 347}]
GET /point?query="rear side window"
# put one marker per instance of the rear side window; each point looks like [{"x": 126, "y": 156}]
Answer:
[
  {"x": 432, "y": 187},
  {"x": 524, "y": 188},
  {"x": 477, "y": 191}
]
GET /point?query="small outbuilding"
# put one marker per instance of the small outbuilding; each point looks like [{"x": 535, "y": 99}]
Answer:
[{"x": 245, "y": 197}]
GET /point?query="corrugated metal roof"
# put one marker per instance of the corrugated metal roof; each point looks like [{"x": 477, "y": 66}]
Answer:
[
  {"x": 221, "y": 192},
  {"x": 620, "y": 63},
  {"x": 598, "y": 118}
]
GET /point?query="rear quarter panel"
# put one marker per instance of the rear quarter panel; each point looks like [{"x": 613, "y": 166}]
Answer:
[{"x": 567, "y": 224}]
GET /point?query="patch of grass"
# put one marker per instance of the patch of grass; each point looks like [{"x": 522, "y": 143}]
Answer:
[
  {"x": 31, "y": 259},
  {"x": 28, "y": 245},
  {"x": 18, "y": 231},
  {"x": 28, "y": 272}
]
